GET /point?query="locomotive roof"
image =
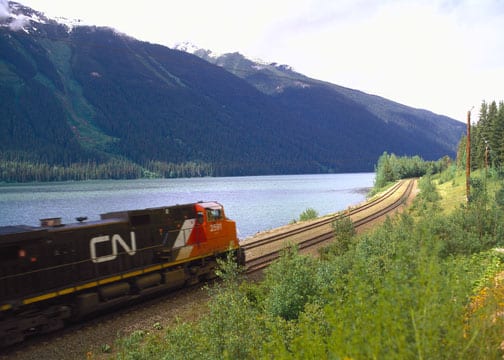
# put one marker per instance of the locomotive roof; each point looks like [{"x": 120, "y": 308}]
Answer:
[
  {"x": 210, "y": 204},
  {"x": 14, "y": 233},
  {"x": 17, "y": 229},
  {"x": 127, "y": 213},
  {"x": 26, "y": 232},
  {"x": 86, "y": 223}
]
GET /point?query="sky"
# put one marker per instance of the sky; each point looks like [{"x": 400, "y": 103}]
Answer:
[{"x": 443, "y": 56}]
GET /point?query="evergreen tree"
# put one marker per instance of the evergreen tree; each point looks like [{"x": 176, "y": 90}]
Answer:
[
  {"x": 487, "y": 139},
  {"x": 493, "y": 140},
  {"x": 497, "y": 149},
  {"x": 461, "y": 152},
  {"x": 478, "y": 144}
]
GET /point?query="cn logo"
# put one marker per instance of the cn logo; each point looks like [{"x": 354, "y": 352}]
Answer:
[{"x": 115, "y": 239}]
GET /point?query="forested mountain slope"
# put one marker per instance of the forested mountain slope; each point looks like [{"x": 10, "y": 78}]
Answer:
[{"x": 107, "y": 103}]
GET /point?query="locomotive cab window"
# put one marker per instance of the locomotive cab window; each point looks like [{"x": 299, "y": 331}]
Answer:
[{"x": 214, "y": 214}]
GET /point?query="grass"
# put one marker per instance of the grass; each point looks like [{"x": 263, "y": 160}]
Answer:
[{"x": 452, "y": 192}]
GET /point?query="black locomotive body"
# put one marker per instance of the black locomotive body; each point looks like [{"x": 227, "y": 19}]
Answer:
[{"x": 55, "y": 273}]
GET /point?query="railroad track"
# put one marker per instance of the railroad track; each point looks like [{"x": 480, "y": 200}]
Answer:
[
  {"x": 324, "y": 221},
  {"x": 75, "y": 341},
  {"x": 319, "y": 231}
]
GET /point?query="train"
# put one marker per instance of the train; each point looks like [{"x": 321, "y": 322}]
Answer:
[{"x": 57, "y": 273}]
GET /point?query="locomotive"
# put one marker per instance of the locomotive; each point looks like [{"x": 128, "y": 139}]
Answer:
[{"x": 55, "y": 273}]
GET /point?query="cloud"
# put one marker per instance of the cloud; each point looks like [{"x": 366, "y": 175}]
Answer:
[
  {"x": 17, "y": 22},
  {"x": 4, "y": 10}
]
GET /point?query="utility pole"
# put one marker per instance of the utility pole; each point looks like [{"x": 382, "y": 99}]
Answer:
[{"x": 468, "y": 157}]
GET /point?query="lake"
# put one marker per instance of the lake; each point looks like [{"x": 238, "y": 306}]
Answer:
[{"x": 256, "y": 203}]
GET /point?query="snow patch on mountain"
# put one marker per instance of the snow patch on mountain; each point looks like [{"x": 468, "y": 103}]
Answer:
[
  {"x": 18, "y": 17},
  {"x": 258, "y": 64},
  {"x": 191, "y": 48},
  {"x": 70, "y": 23}
]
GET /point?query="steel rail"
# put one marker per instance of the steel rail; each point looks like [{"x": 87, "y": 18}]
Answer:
[
  {"x": 260, "y": 262},
  {"x": 325, "y": 220}
]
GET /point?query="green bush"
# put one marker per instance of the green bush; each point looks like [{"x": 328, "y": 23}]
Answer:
[
  {"x": 308, "y": 214},
  {"x": 394, "y": 297},
  {"x": 289, "y": 284},
  {"x": 344, "y": 231},
  {"x": 499, "y": 198},
  {"x": 428, "y": 191},
  {"x": 448, "y": 175}
]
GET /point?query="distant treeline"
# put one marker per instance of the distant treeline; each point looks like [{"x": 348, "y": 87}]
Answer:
[
  {"x": 391, "y": 168},
  {"x": 30, "y": 171}
]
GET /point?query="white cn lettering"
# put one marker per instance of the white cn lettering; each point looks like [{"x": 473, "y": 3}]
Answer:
[{"x": 116, "y": 239}]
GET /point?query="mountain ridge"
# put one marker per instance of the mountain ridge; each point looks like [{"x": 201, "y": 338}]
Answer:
[
  {"x": 234, "y": 62},
  {"x": 91, "y": 95}
]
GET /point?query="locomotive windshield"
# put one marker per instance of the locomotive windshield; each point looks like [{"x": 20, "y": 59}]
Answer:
[{"x": 214, "y": 214}]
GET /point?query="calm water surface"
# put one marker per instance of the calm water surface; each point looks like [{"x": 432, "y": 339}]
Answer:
[{"x": 256, "y": 202}]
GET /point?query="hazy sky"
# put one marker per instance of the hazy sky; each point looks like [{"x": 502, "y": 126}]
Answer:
[{"x": 444, "y": 56}]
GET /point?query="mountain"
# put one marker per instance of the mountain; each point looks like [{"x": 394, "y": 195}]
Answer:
[
  {"x": 100, "y": 102},
  {"x": 274, "y": 79}
]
